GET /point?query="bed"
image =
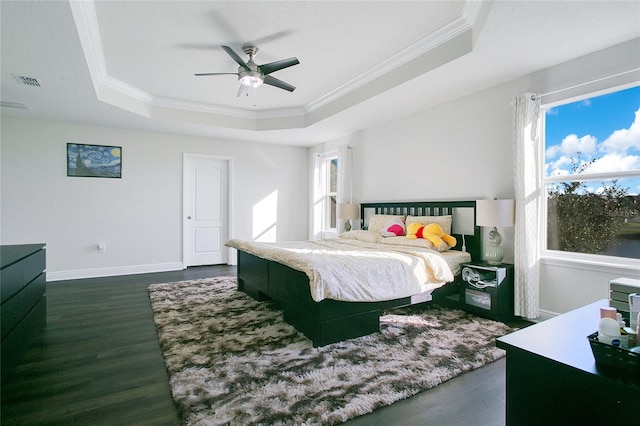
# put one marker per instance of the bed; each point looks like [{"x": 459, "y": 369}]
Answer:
[{"x": 325, "y": 319}]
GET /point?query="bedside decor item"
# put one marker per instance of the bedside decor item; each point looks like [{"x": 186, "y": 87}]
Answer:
[
  {"x": 233, "y": 360},
  {"x": 348, "y": 212},
  {"x": 463, "y": 224},
  {"x": 614, "y": 356},
  {"x": 94, "y": 160},
  {"x": 495, "y": 213},
  {"x": 432, "y": 233},
  {"x": 394, "y": 228}
]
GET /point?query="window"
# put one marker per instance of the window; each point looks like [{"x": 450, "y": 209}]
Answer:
[
  {"x": 325, "y": 194},
  {"x": 332, "y": 193},
  {"x": 592, "y": 175}
]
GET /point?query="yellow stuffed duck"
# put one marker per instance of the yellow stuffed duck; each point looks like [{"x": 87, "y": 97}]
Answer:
[{"x": 433, "y": 233}]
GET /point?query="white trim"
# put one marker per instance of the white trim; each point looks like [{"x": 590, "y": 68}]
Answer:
[
  {"x": 606, "y": 264},
  {"x": 202, "y": 107},
  {"x": 126, "y": 89},
  {"x": 591, "y": 176},
  {"x": 113, "y": 271},
  {"x": 591, "y": 89},
  {"x": 545, "y": 315}
]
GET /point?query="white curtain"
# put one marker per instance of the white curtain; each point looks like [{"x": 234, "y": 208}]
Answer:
[
  {"x": 526, "y": 136},
  {"x": 345, "y": 165},
  {"x": 319, "y": 189}
]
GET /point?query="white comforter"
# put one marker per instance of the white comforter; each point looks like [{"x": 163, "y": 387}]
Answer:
[{"x": 357, "y": 271}]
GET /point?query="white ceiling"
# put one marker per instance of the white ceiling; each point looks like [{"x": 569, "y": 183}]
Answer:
[{"x": 130, "y": 64}]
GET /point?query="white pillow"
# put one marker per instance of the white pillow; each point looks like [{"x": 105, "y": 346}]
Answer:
[
  {"x": 362, "y": 235},
  {"x": 378, "y": 221},
  {"x": 419, "y": 242},
  {"x": 443, "y": 221},
  {"x": 404, "y": 241}
]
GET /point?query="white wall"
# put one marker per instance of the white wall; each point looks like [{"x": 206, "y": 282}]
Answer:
[
  {"x": 139, "y": 217},
  {"x": 463, "y": 150}
]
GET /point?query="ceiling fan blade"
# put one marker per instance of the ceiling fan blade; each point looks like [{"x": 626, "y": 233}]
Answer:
[
  {"x": 243, "y": 91},
  {"x": 216, "y": 73},
  {"x": 236, "y": 58},
  {"x": 278, "y": 65},
  {"x": 272, "y": 81}
]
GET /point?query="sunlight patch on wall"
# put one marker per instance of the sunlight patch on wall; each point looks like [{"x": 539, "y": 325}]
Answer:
[{"x": 265, "y": 218}]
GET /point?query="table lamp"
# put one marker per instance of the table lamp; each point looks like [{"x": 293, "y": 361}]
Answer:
[
  {"x": 495, "y": 213},
  {"x": 463, "y": 223},
  {"x": 348, "y": 211}
]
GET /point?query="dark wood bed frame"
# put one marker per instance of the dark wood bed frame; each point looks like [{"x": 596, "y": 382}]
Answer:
[{"x": 332, "y": 321}]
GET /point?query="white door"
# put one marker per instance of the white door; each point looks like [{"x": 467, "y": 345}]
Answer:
[{"x": 206, "y": 209}]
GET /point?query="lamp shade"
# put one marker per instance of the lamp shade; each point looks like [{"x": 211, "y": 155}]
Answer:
[
  {"x": 495, "y": 212},
  {"x": 348, "y": 211},
  {"x": 463, "y": 221}
]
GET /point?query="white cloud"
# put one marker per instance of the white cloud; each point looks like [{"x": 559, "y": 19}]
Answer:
[
  {"x": 552, "y": 151},
  {"x": 560, "y": 167},
  {"x": 614, "y": 163},
  {"x": 571, "y": 145},
  {"x": 623, "y": 140}
]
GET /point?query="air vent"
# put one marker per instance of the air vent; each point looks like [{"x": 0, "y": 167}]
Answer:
[
  {"x": 17, "y": 105},
  {"x": 28, "y": 81}
]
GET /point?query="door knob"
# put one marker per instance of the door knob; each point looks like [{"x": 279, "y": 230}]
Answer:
[{"x": 188, "y": 217}]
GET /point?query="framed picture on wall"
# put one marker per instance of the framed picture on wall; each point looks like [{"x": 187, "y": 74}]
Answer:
[{"x": 94, "y": 160}]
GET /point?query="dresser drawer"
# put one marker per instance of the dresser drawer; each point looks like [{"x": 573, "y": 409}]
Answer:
[
  {"x": 17, "y": 275},
  {"x": 15, "y": 309}
]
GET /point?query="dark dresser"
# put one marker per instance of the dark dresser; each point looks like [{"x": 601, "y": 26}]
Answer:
[
  {"x": 24, "y": 301},
  {"x": 553, "y": 378}
]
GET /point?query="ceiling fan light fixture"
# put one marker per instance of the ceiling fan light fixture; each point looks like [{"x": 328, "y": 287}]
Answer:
[
  {"x": 251, "y": 79},
  {"x": 252, "y": 75}
]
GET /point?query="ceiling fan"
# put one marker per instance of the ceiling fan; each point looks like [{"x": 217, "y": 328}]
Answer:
[{"x": 252, "y": 75}]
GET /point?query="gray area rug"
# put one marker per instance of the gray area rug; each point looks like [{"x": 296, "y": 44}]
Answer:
[{"x": 233, "y": 360}]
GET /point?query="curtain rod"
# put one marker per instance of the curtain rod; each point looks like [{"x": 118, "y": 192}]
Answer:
[
  {"x": 322, "y": 154},
  {"x": 588, "y": 82}
]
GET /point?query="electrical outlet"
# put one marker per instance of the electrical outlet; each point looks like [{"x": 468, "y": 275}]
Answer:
[{"x": 102, "y": 247}]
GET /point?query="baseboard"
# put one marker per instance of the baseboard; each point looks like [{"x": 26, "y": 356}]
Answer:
[
  {"x": 113, "y": 271},
  {"x": 545, "y": 315}
]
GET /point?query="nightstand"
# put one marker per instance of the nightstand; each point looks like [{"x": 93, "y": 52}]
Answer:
[{"x": 487, "y": 290}]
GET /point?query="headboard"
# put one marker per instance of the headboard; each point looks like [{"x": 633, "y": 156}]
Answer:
[{"x": 460, "y": 210}]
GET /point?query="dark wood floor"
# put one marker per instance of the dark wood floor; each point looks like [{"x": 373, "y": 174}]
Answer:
[{"x": 99, "y": 363}]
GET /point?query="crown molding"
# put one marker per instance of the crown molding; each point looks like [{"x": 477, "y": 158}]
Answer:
[
  {"x": 202, "y": 107},
  {"x": 417, "y": 49}
]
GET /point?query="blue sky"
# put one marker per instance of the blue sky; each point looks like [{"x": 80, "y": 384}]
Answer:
[{"x": 605, "y": 128}]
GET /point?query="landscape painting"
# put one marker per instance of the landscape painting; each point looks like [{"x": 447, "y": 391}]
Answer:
[{"x": 94, "y": 160}]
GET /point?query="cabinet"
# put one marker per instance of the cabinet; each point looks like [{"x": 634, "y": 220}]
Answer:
[
  {"x": 553, "y": 379},
  {"x": 487, "y": 290},
  {"x": 23, "y": 296}
]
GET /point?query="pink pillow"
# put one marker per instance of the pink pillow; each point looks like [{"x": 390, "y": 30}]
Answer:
[{"x": 394, "y": 228}]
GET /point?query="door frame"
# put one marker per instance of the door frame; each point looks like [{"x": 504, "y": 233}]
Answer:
[{"x": 229, "y": 161}]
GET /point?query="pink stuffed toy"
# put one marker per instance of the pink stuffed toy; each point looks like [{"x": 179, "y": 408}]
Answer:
[{"x": 394, "y": 228}]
